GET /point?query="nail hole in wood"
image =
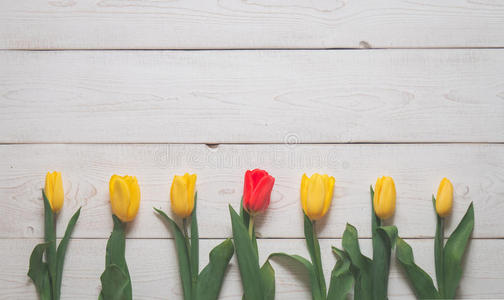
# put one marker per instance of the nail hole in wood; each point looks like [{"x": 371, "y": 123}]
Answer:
[{"x": 364, "y": 45}]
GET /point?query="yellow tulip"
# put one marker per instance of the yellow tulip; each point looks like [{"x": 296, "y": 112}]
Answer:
[
  {"x": 124, "y": 197},
  {"x": 316, "y": 195},
  {"x": 384, "y": 197},
  {"x": 182, "y": 194},
  {"x": 444, "y": 199},
  {"x": 54, "y": 191}
]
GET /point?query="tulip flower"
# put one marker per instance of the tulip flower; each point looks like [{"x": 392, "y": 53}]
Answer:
[
  {"x": 182, "y": 194},
  {"x": 257, "y": 282},
  {"x": 195, "y": 285},
  {"x": 444, "y": 199},
  {"x": 47, "y": 259},
  {"x": 384, "y": 197},
  {"x": 448, "y": 253},
  {"x": 124, "y": 197},
  {"x": 125, "y": 201},
  {"x": 374, "y": 272},
  {"x": 54, "y": 191},
  {"x": 316, "y": 195},
  {"x": 257, "y": 191}
]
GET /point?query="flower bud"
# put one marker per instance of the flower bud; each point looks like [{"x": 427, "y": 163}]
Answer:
[
  {"x": 257, "y": 190},
  {"x": 444, "y": 198},
  {"x": 124, "y": 197},
  {"x": 54, "y": 191},
  {"x": 384, "y": 197},
  {"x": 316, "y": 195},
  {"x": 182, "y": 194}
]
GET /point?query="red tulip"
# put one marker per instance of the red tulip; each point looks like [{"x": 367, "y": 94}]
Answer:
[{"x": 257, "y": 190}]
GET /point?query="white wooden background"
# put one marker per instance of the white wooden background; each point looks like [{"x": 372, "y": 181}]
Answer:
[{"x": 353, "y": 88}]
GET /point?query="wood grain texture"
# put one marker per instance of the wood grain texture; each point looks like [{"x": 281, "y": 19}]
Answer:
[
  {"x": 252, "y": 96},
  {"x": 154, "y": 269},
  {"x": 476, "y": 171},
  {"x": 148, "y": 24}
]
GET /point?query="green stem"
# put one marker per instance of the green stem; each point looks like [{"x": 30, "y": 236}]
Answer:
[
  {"x": 440, "y": 258},
  {"x": 188, "y": 245},
  {"x": 56, "y": 292},
  {"x": 379, "y": 264},
  {"x": 50, "y": 237},
  {"x": 317, "y": 261},
  {"x": 251, "y": 226}
]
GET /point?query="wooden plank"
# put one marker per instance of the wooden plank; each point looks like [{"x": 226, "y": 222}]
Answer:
[
  {"x": 111, "y": 24},
  {"x": 154, "y": 269},
  {"x": 252, "y": 96},
  {"x": 476, "y": 170}
]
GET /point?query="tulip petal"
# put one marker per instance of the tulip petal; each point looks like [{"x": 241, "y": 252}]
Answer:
[
  {"x": 134, "y": 204},
  {"x": 316, "y": 195},
  {"x": 119, "y": 197},
  {"x": 389, "y": 195},
  {"x": 376, "y": 197},
  {"x": 329, "y": 184},
  {"x": 248, "y": 188},
  {"x": 58, "y": 194},
  {"x": 178, "y": 196},
  {"x": 257, "y": 175},
  {"x": 262, "y": 193},
  {"x": 304, "y": 192},
  {"x": 191, "y": 187},
  {"x": 49, "y": 188}
]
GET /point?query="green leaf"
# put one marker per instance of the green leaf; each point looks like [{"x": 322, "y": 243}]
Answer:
[
  {"x": 375, "y": 221},
  {"x": 341, "y": 277},
  {"x": 243, "y": 213},
  {"x": 421, "y": 282},
  {"x": 50, "y": 239},
  {"x": 268, "y": 281},
  {"x": 115, "y": 255},
  {"x": 115, "y": 284},
  {"x": 438, "y": 250},
  {"x": 381, "y": 255},
  {"x": 388, "y": 234},
  {"x": 116, "y": 246},
  {"x": 194, "y": 257},
  {"x": 314, "y": 250},
  {"x": 211, "y": 277},
  {"x": 39, "y": 272},
  {"x": 248, "y": 261},
  {"x": 454, "y": 251},
  {"x": 315, "y": 288},
  {"x": 361, "y": 265},
  {"x": 60, "y": 253},
  {"x": 246, "y": 219},
  {"x": 182, "y": 254}
]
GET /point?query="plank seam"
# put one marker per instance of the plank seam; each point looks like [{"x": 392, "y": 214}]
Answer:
[{"x": 252, "y": 49}]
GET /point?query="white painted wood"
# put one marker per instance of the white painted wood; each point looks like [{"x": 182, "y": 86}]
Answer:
[
  {"x": 154, "y": 269},
  {"x": 252, "y": 96},
  {"x": 477, "y": 172},
  {"x": 114, "y": 24}
]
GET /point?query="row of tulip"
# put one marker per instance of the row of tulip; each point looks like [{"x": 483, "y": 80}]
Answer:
[{"x": 369, "y": 277}]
